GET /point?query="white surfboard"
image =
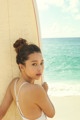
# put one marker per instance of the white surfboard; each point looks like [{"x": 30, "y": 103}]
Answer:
[{"x": 18, "y": 19}]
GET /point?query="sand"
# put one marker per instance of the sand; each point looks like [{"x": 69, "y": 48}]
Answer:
[{"x": 66, "y": 107}]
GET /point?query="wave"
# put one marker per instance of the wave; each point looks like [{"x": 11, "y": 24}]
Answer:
[
  {"x": 62, "y": 58},
  {"x": 64, "y": 89}
]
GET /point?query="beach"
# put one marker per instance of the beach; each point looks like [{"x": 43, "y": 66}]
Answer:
[
  {"x": 66, "y": 107},
  {"x": 62, "y": 73}
]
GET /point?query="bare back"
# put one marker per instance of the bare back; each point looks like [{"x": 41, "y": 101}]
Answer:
[
  {"x": 26, "y": 97},
  {"x": 32, "y": 98}
]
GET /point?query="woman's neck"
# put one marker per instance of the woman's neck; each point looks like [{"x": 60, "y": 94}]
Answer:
[{"x": 26, "y": 79}]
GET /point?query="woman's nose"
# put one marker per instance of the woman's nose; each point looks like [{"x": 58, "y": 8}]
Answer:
[{"x": 39, "y": 68}]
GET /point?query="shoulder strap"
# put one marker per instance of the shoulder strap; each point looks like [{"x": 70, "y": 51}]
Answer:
[
  {"x": 21, "y": 87},
  {"x": 16, "y": 95}
]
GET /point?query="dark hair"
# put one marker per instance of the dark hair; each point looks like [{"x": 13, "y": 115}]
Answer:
[{"x": 23, "y": 50}]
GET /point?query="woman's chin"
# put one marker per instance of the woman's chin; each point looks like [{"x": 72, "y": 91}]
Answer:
[{"x": 38, "y": 78}]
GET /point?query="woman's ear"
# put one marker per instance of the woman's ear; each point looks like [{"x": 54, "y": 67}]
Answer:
[{"x": 21, "y": 67}]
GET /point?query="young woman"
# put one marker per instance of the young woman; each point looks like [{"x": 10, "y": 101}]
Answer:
[{"x": 31, "y": 99}]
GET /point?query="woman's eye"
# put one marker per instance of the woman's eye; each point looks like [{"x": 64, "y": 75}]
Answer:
[
  {"x": 34, "y": 64},
  {"x": 42, "y": 63}
]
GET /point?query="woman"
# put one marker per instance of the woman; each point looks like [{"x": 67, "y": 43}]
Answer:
[{"x": 31, "y": 99}]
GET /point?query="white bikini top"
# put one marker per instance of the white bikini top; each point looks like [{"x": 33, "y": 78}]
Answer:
[{"x": 42, "y": 117}]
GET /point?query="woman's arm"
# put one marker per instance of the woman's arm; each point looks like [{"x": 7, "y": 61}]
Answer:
[
  {"x": 6, "y": 102},
  {"x": 43, "y": 101}
]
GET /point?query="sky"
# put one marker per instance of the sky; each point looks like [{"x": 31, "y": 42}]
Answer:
[{"x": 59, "y": 18}]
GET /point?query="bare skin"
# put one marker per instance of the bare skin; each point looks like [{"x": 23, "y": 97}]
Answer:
[{"x": 33, "y": 98}]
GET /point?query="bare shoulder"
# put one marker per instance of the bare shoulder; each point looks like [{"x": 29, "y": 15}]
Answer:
[
  {"x": 35, "y": 90},
  {"x": 39, "y": 88},
  {"x": 38, "y": 91}
]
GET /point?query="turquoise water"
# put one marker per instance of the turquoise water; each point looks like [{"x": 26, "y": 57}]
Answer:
[{"x": 62, "y": 65}]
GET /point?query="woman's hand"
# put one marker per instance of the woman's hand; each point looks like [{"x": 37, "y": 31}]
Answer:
[{"x": 45, "y": 86}]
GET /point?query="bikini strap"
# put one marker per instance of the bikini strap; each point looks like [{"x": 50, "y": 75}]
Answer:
[{"x": 17, "y": 94}]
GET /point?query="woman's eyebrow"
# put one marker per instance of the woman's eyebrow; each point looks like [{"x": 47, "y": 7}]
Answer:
[
  {"x": 34, "y": 61},
  {"x": 37, "y": 61}
]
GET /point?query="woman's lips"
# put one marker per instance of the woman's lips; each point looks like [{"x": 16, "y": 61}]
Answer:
[{"x": 39, "y": 74}]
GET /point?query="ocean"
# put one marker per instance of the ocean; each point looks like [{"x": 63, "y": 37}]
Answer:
[{"x": 62, "y": 65}]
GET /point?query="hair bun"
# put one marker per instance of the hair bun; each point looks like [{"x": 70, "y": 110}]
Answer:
[{"x": 19, "y": 44}]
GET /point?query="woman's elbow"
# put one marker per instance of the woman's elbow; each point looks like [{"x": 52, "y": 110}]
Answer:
[{"x": 52, "y": 114}]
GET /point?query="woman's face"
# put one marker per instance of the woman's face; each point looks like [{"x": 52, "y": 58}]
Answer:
[{"x": 34, "y": 66}]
